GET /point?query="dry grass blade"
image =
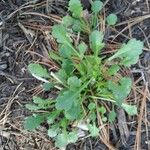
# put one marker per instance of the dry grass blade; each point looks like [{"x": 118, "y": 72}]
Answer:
[{"x": 137, "y": 145}]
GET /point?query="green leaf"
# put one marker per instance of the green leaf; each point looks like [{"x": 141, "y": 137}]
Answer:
[
  {"x": 77, "y": 26},
  {"x": 61, "y": 75},
  {"x": 92, "y": 116},
  {"x": 72, "y": 137},
  {"x": 53, "y": 55},
  {"x": 74, "y": 83},
  {"x": 43, "y": 103},
  {"x": 67, "y": 66},
  {"x": 76, "y": 8},
  {"x": 73, "y": 113},
  {"x": 111, "y": 19},
  {"x": 94, "y": 131},
  {"x": 53, "y": 131},
  {"x": 113, "y": 70},
  {"x": 61, "y": 140},
  {"x": 102, "y": 110},
  {"x": 120, "y": 91},
  {"x": 64, "y": 139},
  {"x": 52, "y": 116},
  {"x": 38, "y": 70},
  {"x": 82, "y": 48},
  {"x": 96, "y": 43},
  {"x": 112, "y": 116},
  {"x": 130, "y": 109},
  {"x": 47, "y": 86},
  {"x": 32, "y": 107},
  {"x": 129, "y": 53},
  {"x": 66, "y": 100},
  {"x": 91, "y": 106},
  {"x": 97, "y": 6},
  {"x": 33, "y": 122},
  {"x": 67, "y": 21},
  {"x": 65, "y": 51},
  {"x": 60, "y": 33}
]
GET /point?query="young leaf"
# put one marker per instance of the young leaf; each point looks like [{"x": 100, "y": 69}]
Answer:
[
  {"x": 43, "y": 103},
  {"x": 112, "y": 116},
  {"x": 61, "y": 140},
  {"x": 72, "y": 137},
  {"x": 120, "y": 91},
  {"x": 111, "y": 19},
  {"x": 130, "y": 109},
  {"x": 129, "y": 53},
  {"x": 67, "y": 21},
  {"x": 76, "y": 8},
  {"x": 53, "y": 55},
  {"x": 53, "y": 131},
  {"x": 47, "y": 86},
  {"x": 82, "y": 47},
  {"x": 94, "y": 131},
  {"x": 33, "y": 122},
  {"x": 61, "y": 76},
  {"x": 102, "y": 110},
  {"x": 113, "y": 70},
  {"x": 74, "y": 83},
  {"x": 77, "y": 26},
  {"x": 97, "y": 6},
  {"x": 66, "y": 100},
  {"x": 65, "y": 51},
  {"x": 38, "y": 70},
  {"x": 52, "y": 116},
  {"x": 74, "y": 112},
  {"x": 64, "y": 139},
  {"x": 67, "y": 66},
  {"x": 32, "y": 107},
  {"x": 96, "y": 43},
  {"x": 91, "y": 106},
  {"x": 60, "y": 33}
]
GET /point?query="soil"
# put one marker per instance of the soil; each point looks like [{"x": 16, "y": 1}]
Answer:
[{"x": 25, "y": 38}]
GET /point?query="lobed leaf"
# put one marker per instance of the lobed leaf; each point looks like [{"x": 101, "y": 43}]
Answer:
[
  {"x": 130, "y": 109},
  {"x": 120, "y": 91},
  {"x": 129, "y": 53},
  {"x": 76, "y": 8},
  {"x": 60, "y": 33},
  {"x": 111, "y": 19},
  {"x": 97, "y": 6},
  {"x": 96, "y": 43},
  {"x": 94, "y": 131},
  {"x": 33, "y": 122},
  {"x": 112, "y": 116}
]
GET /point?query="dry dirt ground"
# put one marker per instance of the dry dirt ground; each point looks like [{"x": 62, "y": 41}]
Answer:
[{"x": 25, "y": 27}]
